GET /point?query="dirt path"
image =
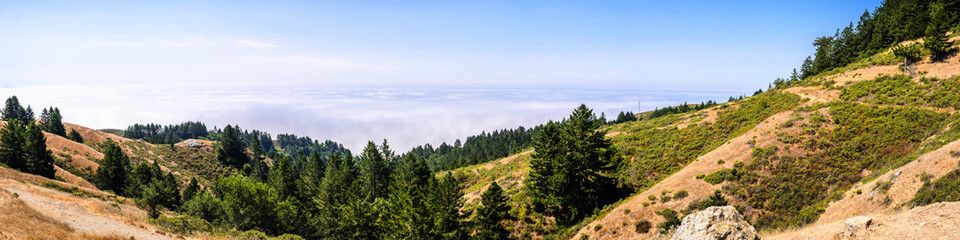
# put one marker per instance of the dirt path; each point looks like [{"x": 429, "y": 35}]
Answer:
[
  {"x": 85, "y": 215},
  {"x": 934, "y": 221}
]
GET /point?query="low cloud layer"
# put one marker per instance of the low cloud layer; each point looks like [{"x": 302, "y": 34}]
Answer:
[{"x": 407, "y": 117}]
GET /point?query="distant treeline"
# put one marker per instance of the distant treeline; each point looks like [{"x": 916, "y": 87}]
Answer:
[
  {"x": 259, "y": 142},
  {"x": 477, "y": 149},
  {"x": 682, "y": 108},
  {"x": 158, "y": 134}
]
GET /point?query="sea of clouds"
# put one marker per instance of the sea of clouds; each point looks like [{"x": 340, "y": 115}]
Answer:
[{"x": 407, "y": 117}]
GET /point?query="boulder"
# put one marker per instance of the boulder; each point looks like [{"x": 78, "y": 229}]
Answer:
[
  {"x": 192, "y": 143},
  {"x": 715, "y": 223},
  {"x": 856, "y": 225}
]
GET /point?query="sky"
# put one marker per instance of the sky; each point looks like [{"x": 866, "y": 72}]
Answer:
[{"x": 410, "y": 71}]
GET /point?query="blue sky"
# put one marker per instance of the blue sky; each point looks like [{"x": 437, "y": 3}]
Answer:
[
  {"x": 353, "y": 71},
  {"x": 598, "y": 44}
]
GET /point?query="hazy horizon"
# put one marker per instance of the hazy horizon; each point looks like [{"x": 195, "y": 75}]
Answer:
[{"x": 406, "y": 117}]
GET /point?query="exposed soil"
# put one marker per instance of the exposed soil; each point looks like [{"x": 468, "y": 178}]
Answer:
[
  {"x": 82, "y": 215},
  {"x": 934, "y": 221}
]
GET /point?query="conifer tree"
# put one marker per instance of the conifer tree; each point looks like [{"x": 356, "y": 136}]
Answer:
[
  {"x": 12, "y": 138},
  {"x": 446, "y": 202},
  {"x": 374, "y": 172},
  {"x": 13, "y": 110},
  {"x": 490, "y": 216},
  {"x": 411, "y": 213},
  {"x": 334, "y": 192},
  {"x": 112, "y": 173},
  {"x": 572, "y": 167},
  {"x": 39, "y": 159},
  {"x": 283, "y": 179},
  {"x": 936, "y": 40},
  {"x": 316, "y": 168},
  {"x": 256, "y": 147},
  {"x": 75, "y": 136},
  {"x": 52, "y": 122},
  {"x": 231, "y": 147},
  {"x": 191, "y": 191}
]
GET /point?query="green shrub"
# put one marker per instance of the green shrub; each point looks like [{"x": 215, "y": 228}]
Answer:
[
  {"x": 716, "y": 199},
  {"x": 722, "y": 175},
  {"x": 252, "y": 235},
  {"x": 671, "y": 220},
  {"x": 597, "y": 227},
  {"x": 643, "y": 226},
  {"x": 883, "y": 186},
  {"x": 944, "y": 189},
  {"x": 680, "y": 194},
  {"x": 288, "y": 237},
  {"x": 912, "y": 52}
]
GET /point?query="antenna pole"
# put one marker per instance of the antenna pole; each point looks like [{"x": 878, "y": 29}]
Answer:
[{"x": 638, "y": 110}]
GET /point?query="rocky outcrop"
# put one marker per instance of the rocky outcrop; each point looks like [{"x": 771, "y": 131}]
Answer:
[
  {"x": 715, "y": 223},
  {"x": 856, "y": 226},
  {"x": 192, "y": 143}
]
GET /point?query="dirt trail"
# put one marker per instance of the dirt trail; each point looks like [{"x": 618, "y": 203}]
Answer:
[
  {"x": 815, "y": 94},
  {"x": 934, "y": 221},
  {"x": 85, "y": 215}
]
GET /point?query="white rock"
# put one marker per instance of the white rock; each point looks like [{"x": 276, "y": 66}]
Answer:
[{"x": 715, "y": 223}]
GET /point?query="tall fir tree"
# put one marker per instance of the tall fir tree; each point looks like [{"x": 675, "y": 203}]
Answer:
[
  {"x": 39, "y": 158},
  {"x": 112, "y": 173},
  {"x": 491, "y": 214},
  {"x": 411, "y": 216},
  {"x": 231, "y": 149},
  {"x": 446, "y": 201},
  {"x": 572, "y": 170},
  {"x": 374, "y": 172},
  {"x": 12, "y": 152},
  {"x": 51, "y": 121},
  {"x": 13, "y": 110},
  {"x": 540, "y": 182},
  {"x": 936, "y": 40}
]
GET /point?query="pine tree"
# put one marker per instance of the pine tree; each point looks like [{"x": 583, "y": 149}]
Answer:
[
  {"x": 75, "y": 136},
  {"x": 52, "y": 122},
  {"x": 112, "y": 173},
  {"x": 315, "y": 170},
  {"x": 12, "y": 138},
  {"x": 191, "y": 191},
  {"x": 374, "y": 172},
  {"x": 411, "y": 213},
  {"x": 540, "y": 182},
  {"x": 39, "y": 159},
  {"x": 492, "y": 213},
  {"x": 13, "y": 110},
  {"x": 231, "y": 149},
  {"x": 936, "y": 40},
  {"x": 256, "y": 147},
  {"x": 283, "y": 179},
  {"x": 335, "y": 191},
  {"x": 571, "y": 170},
  {"x": 446, "y": 202}
]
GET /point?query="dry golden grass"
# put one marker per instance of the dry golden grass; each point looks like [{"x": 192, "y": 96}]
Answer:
[{"x": 19, "y": 221}]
